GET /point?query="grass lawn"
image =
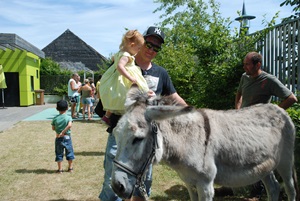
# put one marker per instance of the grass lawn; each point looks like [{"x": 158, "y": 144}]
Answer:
[{"x": 27, "y": 170}]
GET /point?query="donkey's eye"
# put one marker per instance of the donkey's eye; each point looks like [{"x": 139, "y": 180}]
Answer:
[{"x": 136, "y": 140}]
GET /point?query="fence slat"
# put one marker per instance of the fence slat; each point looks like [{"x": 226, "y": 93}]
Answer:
[{"x": 280, "y": 53}]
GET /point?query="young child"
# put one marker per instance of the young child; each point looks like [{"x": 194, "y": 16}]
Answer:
[
  {"x": 63, "y": 142},
  {"x": 118, "y": 79}
]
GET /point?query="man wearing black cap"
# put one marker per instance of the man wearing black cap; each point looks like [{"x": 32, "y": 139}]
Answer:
[
  {"x": 157, "y": 77},
  {"x": 158, "y": 81}
]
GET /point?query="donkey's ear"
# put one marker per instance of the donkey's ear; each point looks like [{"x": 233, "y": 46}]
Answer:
[
  {"x": 129, "y": 102},
  {"x": 133, "y": 92},
  {"x": 134, "y": 95},
  {"x": 166, "y": 111}
]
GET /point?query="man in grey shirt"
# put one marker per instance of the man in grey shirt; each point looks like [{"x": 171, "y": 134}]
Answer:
[{"x": 257, "y": 86}]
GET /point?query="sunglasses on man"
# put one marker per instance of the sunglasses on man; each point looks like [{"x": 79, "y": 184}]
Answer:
[{"x": 154, "y": 47}]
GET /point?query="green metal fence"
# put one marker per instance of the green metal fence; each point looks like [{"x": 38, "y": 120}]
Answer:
[
  {"x": 50, "y": 82},
  {"x": 280, "y": 53}
]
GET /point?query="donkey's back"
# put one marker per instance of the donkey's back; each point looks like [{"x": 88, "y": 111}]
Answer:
[
  {"x": 242, "y": 147},
  {"x": 250, "y": 143}
]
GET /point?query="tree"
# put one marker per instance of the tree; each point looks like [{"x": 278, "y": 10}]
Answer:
[
  {"x": 50, "y": 67},
  {"x": 53, "y": 78},
  {"x": 294, "y": 3},
  {"x": 296, "y": 9},
  {"x": 201, "y": 54}
]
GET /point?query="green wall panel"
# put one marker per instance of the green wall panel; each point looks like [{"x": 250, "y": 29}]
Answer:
[{"x": 28, "y": 66}]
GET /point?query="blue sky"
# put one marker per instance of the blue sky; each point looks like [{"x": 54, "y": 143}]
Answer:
[{"x": 101, "y": 23}]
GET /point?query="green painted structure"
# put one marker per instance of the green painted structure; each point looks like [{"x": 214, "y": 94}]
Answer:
[{"x": 21, "y": 65}]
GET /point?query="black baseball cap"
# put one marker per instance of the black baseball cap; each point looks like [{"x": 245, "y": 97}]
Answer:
[
  {"x": 155, "y": 31},
  {"x": 62, "y": 105}
]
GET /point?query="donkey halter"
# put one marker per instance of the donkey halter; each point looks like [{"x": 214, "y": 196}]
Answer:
[{"x": 140, "y": 175}]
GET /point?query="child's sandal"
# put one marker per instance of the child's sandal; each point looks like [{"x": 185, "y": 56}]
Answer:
[
  {"x": 59, "y": 171},
  {"x": 70, "y": 170}
]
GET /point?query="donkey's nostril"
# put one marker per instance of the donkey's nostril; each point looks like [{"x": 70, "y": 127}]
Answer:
[{"x": 118, "y": 187}]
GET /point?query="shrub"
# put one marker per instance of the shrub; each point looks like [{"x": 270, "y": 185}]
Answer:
[{"x": 294, "y": 113}]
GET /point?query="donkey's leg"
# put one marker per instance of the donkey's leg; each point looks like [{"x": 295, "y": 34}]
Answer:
[
  {"x": 285, "y": 170},
  {"x": 192, "y": 193},
  {"x": 272, "y": 187},
  {"x": 206, "y": 191}
]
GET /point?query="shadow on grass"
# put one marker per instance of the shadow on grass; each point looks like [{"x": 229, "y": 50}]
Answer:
[
  {"x": 180, "y": 193},
  {"x": 93, "y": 121},
  {"x": 60, "y": 200},
  {"x": 37, "y": 171},
  {"x": 89, "y": 153},
  {"x": 177, "y": 192}
]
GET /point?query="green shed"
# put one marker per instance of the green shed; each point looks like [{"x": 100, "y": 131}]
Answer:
[{"x": 21, "y": 65}]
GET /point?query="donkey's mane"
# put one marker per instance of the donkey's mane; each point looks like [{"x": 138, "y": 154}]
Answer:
[{"x": 137, "y": 97}]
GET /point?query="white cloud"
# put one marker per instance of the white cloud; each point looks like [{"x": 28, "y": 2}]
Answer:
[{"x": 101, "y": 23}]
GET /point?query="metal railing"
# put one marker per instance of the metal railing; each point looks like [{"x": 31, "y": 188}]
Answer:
[{"x": 280, "y": 50}]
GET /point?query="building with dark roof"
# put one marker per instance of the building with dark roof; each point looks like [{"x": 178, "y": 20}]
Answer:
[
  {"x": 21, "y": 66},
  {"x": 70, "y": 48},
  {"x": 13, "y": 41}
]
